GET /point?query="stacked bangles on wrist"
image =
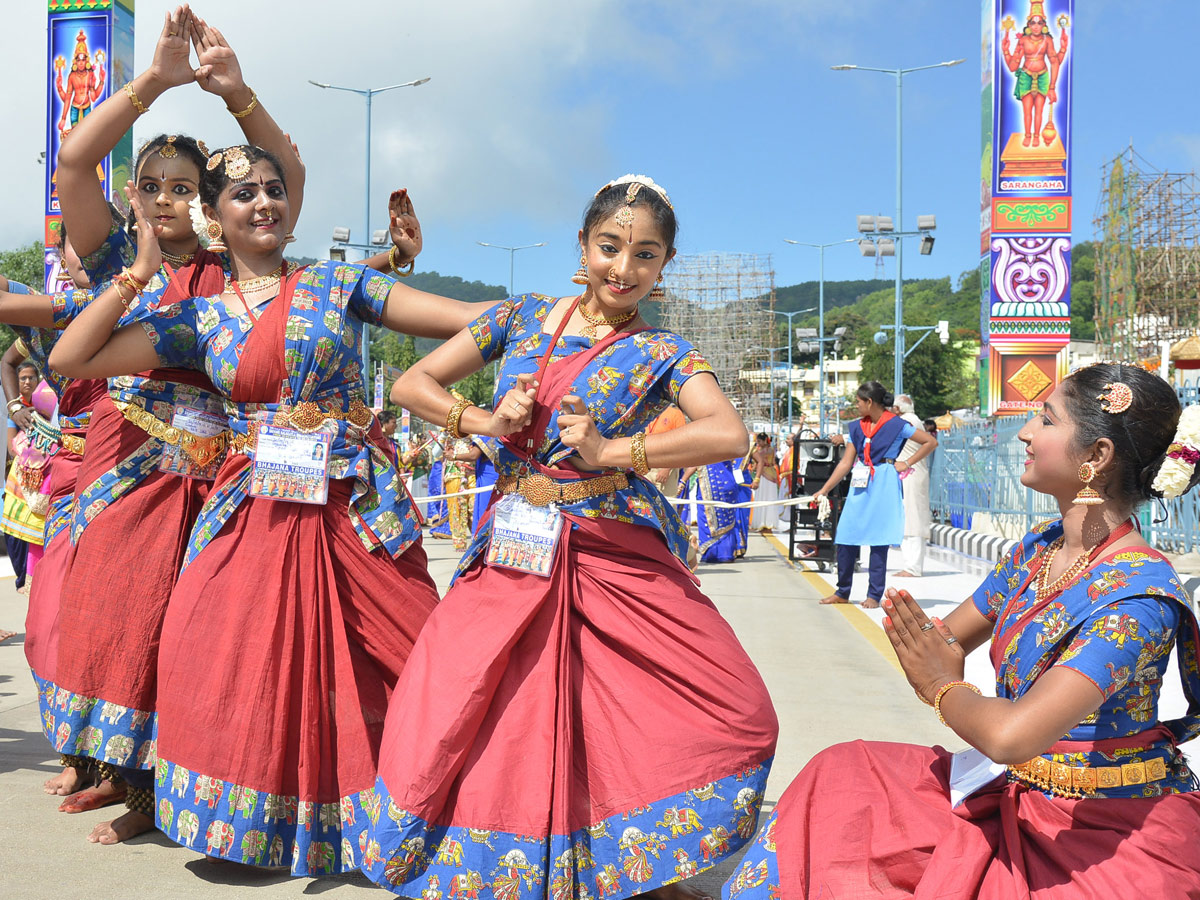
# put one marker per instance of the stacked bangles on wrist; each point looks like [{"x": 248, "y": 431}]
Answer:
[
  {"x": 14, "y": 405},
  {"x": 126, "y": 279}
]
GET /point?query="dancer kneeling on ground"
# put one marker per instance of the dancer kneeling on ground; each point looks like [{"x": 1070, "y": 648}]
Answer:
[
  {"x": 1088, "y": 795},
  {"x": 576, "y": 718}
]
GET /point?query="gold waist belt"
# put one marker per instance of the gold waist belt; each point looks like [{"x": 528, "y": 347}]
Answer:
[
  {"x": 1082, "y": 781},
  {"x": 201, "y": 449},
  {"x": 541, "y": 490},
  {"x": 73, "y": 443},
  {"x": 307, "y": 416}
]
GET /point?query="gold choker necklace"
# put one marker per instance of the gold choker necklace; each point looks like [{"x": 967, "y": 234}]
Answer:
[
  {"x": 256, "y": 284},
  {"x": 594, "y": 322},
  {"x": 181, "y": 260}
]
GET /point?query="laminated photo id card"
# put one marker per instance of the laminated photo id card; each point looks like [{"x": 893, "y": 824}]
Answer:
[
  {"x": 524, "y": 536},
  {"x": 860, "y": 476},
  {"x": 291, "y": 465},
  {"x": 201, "y": 450}
]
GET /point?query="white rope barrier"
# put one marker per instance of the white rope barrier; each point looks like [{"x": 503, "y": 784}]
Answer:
[{"x": 676, "y": 501}]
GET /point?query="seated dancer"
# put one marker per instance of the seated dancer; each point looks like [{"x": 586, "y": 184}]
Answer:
[
  {"x": 873, "y": 513},
  {"x": 1076, "y": 787},
  {"x": 276, "y": 705},
  {"x": 576, "y": 715}
]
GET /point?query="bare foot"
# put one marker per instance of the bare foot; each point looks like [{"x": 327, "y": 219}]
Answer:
[
  {"x": 1025, "y": 143},
  {"x": 68, "y": 781},
  {"x": 104, "y": 794},
  {"x": 1037, "y": 141},
  {"x": 904, "y": 573},
  {"x": 122, "y": 828},
  {"x": 870, "y": 603},
  {"x": 681, "y": 890},
  {"x": 834, "y": 598}
]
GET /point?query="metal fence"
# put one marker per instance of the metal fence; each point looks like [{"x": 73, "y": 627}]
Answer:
[{"x": 975, "y": 484}]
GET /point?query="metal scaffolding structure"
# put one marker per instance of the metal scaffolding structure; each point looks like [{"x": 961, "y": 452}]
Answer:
[
  {"x": 723, "y": 303},
  {"x": 1147, "y": 257}
]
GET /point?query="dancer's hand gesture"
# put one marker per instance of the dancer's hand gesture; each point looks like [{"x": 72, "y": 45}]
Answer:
[
  {"x": 404, "y": 228},
  {"x": 220, "y": 72},
  {"x": 172, "y": 64},
  {"x": 928, "y": 651},
  {"x": 515, "y": 409},
  {"x": 577, "y": 429},
  {"x": 149, "y": 254}
]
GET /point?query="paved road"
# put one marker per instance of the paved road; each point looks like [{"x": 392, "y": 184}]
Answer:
[{"x": 826, "y": 669}]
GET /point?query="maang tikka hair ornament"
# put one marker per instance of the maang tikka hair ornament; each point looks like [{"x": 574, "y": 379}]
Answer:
[
  {"x": 167, "y": 150},
  {"x": 624, "y": 216}
]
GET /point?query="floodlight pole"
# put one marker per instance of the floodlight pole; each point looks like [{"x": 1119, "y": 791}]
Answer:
[
  {"x": 820, "y": 325},
  {"x": 898, "y": 74}
]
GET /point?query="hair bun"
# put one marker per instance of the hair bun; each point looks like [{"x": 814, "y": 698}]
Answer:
[{"x": 889, "y": 399}]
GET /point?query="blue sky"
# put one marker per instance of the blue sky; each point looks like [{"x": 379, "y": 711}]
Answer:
[{"x": 533, "y": 104}]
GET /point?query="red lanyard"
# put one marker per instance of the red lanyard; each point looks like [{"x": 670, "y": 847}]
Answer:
[{"x": 237, "y": 290}]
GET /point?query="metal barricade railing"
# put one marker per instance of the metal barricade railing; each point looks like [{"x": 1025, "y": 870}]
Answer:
[{"x": 975, "y": 483}]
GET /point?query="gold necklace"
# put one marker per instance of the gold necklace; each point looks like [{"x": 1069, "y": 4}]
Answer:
[
  {"x": 181, "y": 260},
  {"x": 256, "y": 284},
  {"x": 594, "y": 322},
  {"x": 1044, "y": 586}
]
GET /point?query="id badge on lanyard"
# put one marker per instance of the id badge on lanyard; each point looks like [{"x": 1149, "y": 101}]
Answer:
[
  {"x": 291, "y": 465},
  {"x": 200, "y": 459},
  {"x": 524, "y": 537}
]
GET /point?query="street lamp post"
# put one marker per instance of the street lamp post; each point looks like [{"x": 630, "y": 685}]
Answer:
[
  {"x": 512, "y": 252},
  {"x": 791, "y": 342},
  {"x": 899, "y": 74},
  {"x": 368, "y": 93},
  {"x": 820, "y": 325}
]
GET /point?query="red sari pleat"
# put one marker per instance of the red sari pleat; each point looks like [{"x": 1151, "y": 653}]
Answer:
[
  {"x": 42, "y": 619},
  {"x": 538, "y": 706},
  {"x": 874, "y": 820},
  {"x": 285, "y": 635}
]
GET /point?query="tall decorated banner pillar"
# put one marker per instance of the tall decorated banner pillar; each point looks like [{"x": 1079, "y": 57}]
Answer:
[
  {"x": 1028, "y": 225},
  {"x": 90, "y": 55}
]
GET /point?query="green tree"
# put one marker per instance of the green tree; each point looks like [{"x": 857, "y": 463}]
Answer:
[
  {"x": 28, "y": 266},
  {"x": 938, "y": 376}
]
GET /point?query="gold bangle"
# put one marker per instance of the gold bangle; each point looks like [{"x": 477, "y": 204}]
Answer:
[
  {"x": 921, "y": 697},
  {"x": 454, "y": 417},
  {"x": 637, "y": 453},
  {"x": 937, "y": 700},
  {"x": 141, "y": 108},
  {"x": 117, "y": 284},
  {"x": 395, "y": 268},
  {"x": 249, "y": 109}
]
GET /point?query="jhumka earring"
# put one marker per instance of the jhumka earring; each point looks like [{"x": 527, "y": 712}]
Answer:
[
  {"x": 581, "y": 277},
  {"x": 289, "y": 238},
  {"x": 213, "y": 229},
  {"x": 657, "y": 294},
  {"x": 1087, "y": 495}
]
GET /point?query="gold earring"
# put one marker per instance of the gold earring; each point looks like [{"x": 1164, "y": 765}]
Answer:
[
  {"x": 214, "y": 237},
  {"x": 1087, "y": 495},
  {"x": 657, "y": 294},
  {"x": 581, "y": 277},
  {"x": 289, "y": 238}
]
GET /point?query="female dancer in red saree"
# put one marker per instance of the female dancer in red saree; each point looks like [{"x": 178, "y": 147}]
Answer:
[
  {"x": 576, "y": 715},
  {"x": 290, "y": 621},
  {"x": 1077, "y": 789}
]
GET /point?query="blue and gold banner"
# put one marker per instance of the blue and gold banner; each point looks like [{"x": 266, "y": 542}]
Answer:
[
  {"x": 90, "y": 54},
  {"x": 1026, "y": 238}
]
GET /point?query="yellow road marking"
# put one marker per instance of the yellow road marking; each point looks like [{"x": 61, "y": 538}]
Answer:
[{"x": 859, "y": 620}]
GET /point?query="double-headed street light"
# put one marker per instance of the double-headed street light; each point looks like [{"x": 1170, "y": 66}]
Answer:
[
  {"x": 791, "y": 341},
  {"x": 820, "y": 323},
  {"x": 368, "y": 93},
  {"x": 512, "y": 252},
  {"x": 899, "y": 74}
]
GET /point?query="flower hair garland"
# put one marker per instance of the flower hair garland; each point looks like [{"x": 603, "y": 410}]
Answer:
[
  {"x": 644, "y": 180},
  {"x": 199, "y": 222},
  {"x": 1175, "y": 473}
]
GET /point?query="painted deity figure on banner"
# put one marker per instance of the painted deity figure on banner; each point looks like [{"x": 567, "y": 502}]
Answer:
[
  {"x": 1035, "y": 63},
  {"x": 84, "y": 84}
]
